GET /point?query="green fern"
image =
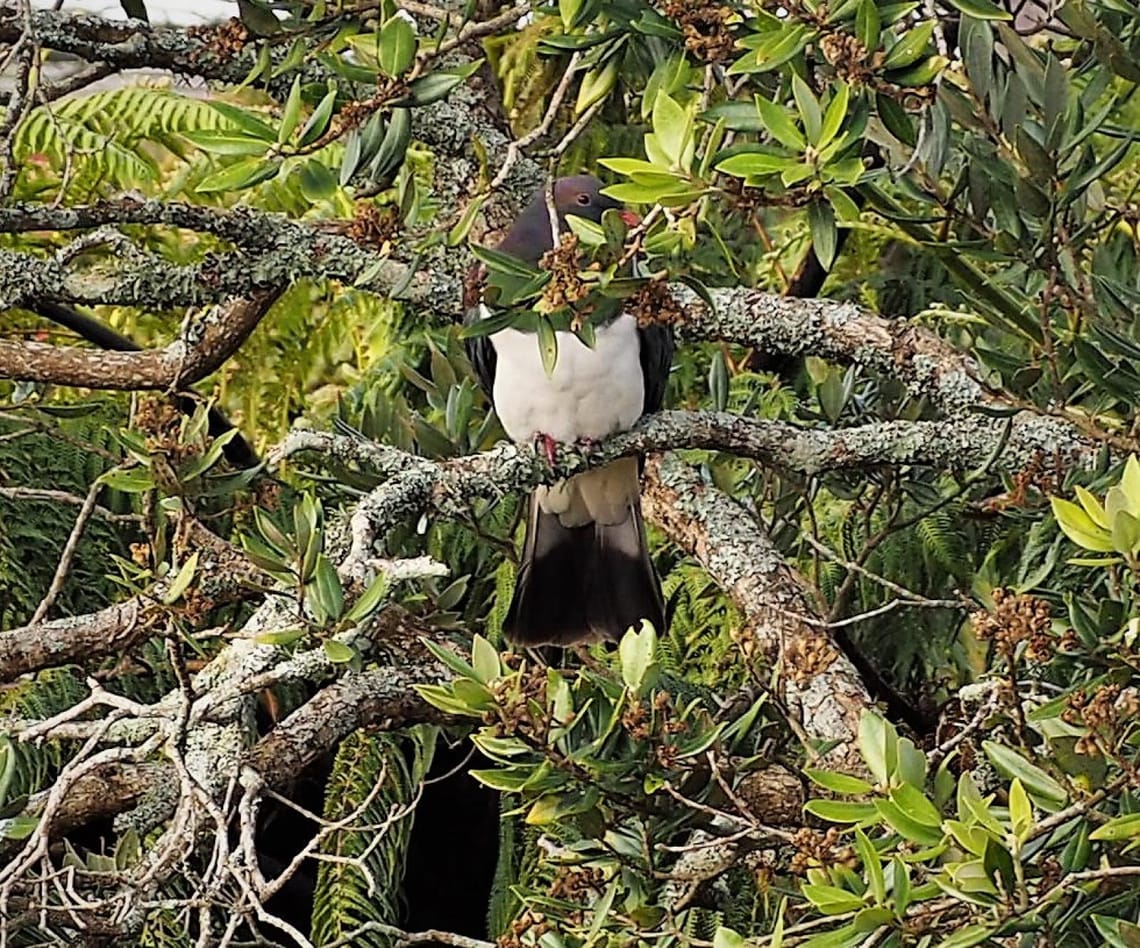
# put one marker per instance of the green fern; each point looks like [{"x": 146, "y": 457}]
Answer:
[
  {"x": 504, "y": 903},
  {"x": 697, "y": 647},
  {"x": 39, "y": 698},
  {"x": 108, "y": 138},
  {"x": 346, "y": 897}
]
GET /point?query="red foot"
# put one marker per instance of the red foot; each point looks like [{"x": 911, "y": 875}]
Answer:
[{"x": 549, "y": 447}]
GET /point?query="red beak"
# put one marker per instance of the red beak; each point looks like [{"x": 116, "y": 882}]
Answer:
[{"x": 630, "y": 218}]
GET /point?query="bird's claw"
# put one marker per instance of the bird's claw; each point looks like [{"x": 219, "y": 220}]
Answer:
[{"x": 549, "y": 447}]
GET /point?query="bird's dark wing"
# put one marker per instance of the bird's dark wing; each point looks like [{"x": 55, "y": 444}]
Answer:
[
  {"x": 656, "y": 358},
  {"x": 481, "y": 353}
]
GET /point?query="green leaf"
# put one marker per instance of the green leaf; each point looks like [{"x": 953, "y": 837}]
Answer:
[
  {"x": 727, "y": 938},
  {"x": 1049, "y": 794},
  {"x": 1020, "y": 810},
  {"x": 637, "y": 651},
  {"x": 134, "y": 480},
  {"x": 328, "y": 594},
  {"x": 397, "y": 46},
  {"x": 835, "y": 114},
  {"x": 840, "y": 811},
  {"x": 282, "y": 638},
  {"x": 753, "y": 164},
  {"x": 226, "y": 143},
  {"x": 1118, "y": 828},
  {"x": 459, "y": 232},
  {"x": 317, "y": 182},
  {"x": 867, "y": 25},
  {"x": 247, "y": 122},
  {"x": 449, "y": 659},
  {"x": 547, "y": 344},
  {"x": 838, "y": 783},
  {"x": 873, "y": 865},
  {"x": 808, "y": 106},
  {"x": 778, "y": 121},
  {"x": 1130, "y": 484},
  {"x": 878, "y": 743},
  {"x": 900, "y": 886},
  {"x": 1092, "y": 507},
  {"x": 18, "y": 827},
  {"x": 318, "y": 122},
  {"x": 921, "y": 74},
  {"x": 831, "y": 900},
  {"x": 1117, "y": 932},
  {"x": 903, "y": 823},
  {"x": 911, "y": 47},
  {"x": 913, "y": 802},
  {"x": 824, "y": 235},
  {"x": 182, "y": 580},
  {"x": 911, "y": 766},
  {"x": 896, "y": 119},
  {"x": 503, "y": 262},
  {"x": 569, "y": 10},
  {"x": 337, "y": 652},
  {"x": 485, "y": 660},
  {"x": 291, "y": 114},
  {"x": 436, "y": 85},
  {"x": 369, "y": 599},
  {"x": 672, "y": 130},
  {"x": 211, "y": 456},
  {"x": 982, "y": 9},
  {"x": 242, "y": 174},
  {"x": 596, "y": 84},
  {"x": 844, "y": 207},
  {"x": 1079, "y": 527}
]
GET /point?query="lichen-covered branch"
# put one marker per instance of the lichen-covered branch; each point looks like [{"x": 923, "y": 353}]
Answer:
[
  {"x": 820, "y": 687},
  {"x": 205, "y": 346}
]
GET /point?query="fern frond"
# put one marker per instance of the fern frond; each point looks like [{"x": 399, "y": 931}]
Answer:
[
  {"x": 108, "y": 138},
  {"x": 364, "y": 884}
]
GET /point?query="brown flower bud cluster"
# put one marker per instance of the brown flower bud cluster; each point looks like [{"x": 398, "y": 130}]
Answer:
[
  {"x": 374, "y": 226},
  {"x": 226, "y": 40},
  {"x": 520, "y": 705},
  {"x": 655, "y": 304},
  {"x": 161, "y": 421},
  {"x": 847, "y": 56},
  {"x": 706, "y": 27},
  {"x": 809, "y": 655},
  {"x": 1017, "y": 619},
  {"x": 1034, "y": 476},
  {"x": 653, "y": 726},
  {"x": 566, "y": 287},
  {"x": 578, "y": 884},
  {"x": 1106, "y": 712},
  {"x": 529, "y": 925},
  {"x": 819, "y": 849}
]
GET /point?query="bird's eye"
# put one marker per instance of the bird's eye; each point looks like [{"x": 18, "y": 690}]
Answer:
[{"x": 583, "y": 199}]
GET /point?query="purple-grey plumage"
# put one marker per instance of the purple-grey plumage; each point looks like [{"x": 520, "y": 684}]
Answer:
[{"x": 585, "y": 572}]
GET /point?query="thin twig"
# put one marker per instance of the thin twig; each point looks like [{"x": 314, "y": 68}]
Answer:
[
  {"x": 63, "y": 497},
  {"x": 64, "y": 566}
]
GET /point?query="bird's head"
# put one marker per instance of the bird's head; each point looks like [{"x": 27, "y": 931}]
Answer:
[{"x": 580, "y": 195}]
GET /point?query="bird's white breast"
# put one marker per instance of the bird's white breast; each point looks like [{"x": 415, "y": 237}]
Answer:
[{"x": 590, "y": 394}]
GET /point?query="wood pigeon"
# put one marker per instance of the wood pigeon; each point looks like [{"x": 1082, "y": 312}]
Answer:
[{"x": 585, "y": 573}]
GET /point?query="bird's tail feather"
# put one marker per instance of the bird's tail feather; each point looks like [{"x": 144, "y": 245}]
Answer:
[{"x": 583, "y": 583}]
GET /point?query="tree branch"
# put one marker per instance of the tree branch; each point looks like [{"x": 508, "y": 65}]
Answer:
[
  {"x": 205, "y": 347},
  {"x": 820, "y": 687}
]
